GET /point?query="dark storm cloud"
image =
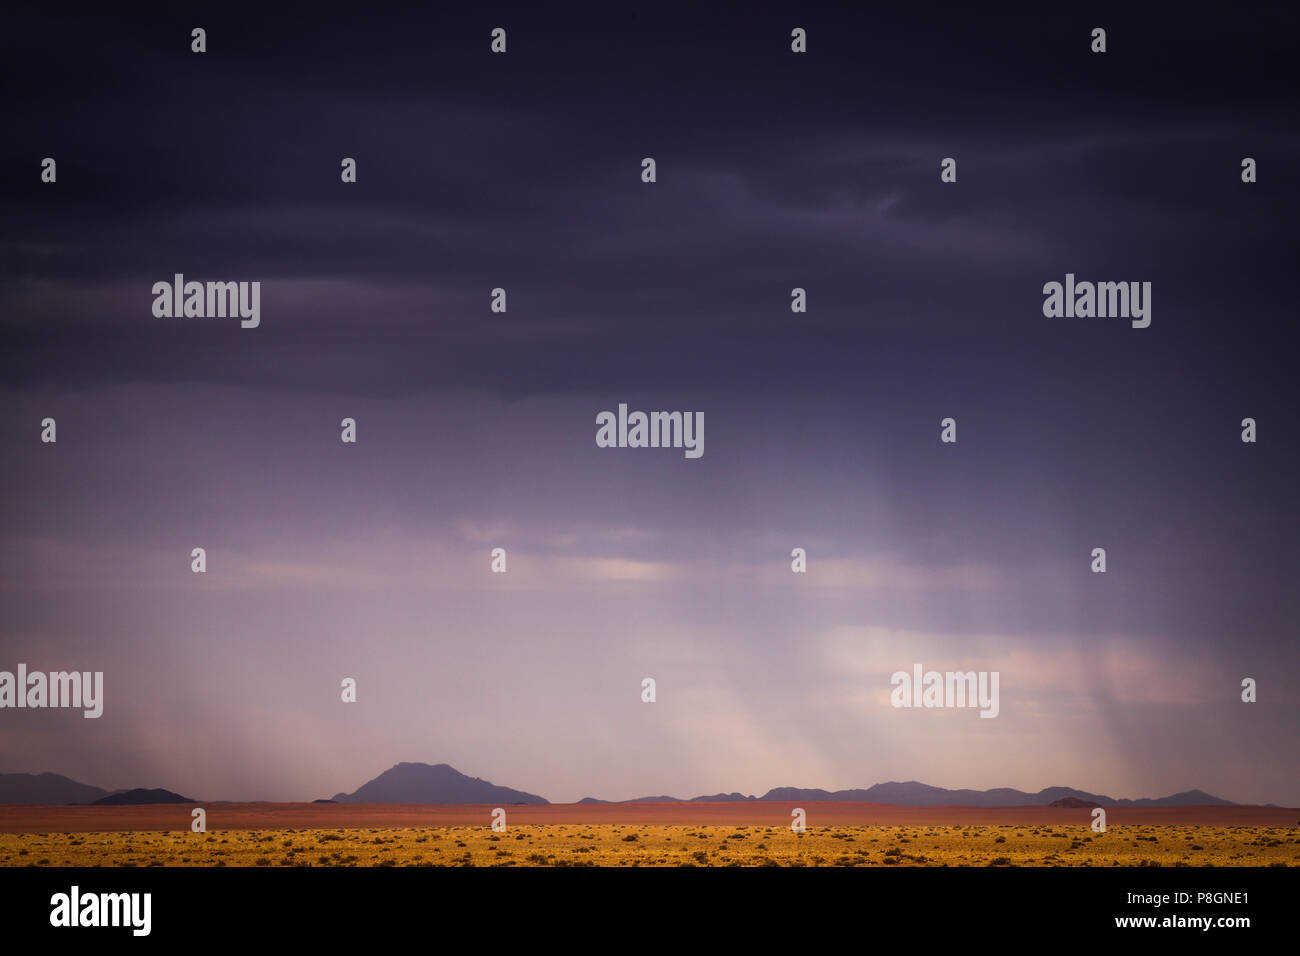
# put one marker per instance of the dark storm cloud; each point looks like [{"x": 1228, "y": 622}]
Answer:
[
  {"x": 774, "y": 172},
  {"x": 471, "y": 167}
]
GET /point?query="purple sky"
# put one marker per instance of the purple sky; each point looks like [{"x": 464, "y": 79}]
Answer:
[{"x": 476, "y": 430}]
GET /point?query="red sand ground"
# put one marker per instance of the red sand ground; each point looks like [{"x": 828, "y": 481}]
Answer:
[{"x": 299, "y": 816}]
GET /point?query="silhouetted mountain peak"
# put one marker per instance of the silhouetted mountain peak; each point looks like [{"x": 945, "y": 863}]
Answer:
[
  {"x": 724, "y": 798},
  {"x": 47, "y": 789},
  {"x": 433, "y": 783}
]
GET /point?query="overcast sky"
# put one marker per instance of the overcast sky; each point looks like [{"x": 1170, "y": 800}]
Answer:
[{"x": 476, "y": 429}]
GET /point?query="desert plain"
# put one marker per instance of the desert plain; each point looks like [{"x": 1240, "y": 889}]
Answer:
[{"x": 644, "y": 834}]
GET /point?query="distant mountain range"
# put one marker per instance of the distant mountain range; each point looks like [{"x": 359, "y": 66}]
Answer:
[
  {"x": 440, "y": 783},
  {"x": 913, "y": 794},
  {"x": 50, "y": 789},
  {"x": 131, "y": 797}
]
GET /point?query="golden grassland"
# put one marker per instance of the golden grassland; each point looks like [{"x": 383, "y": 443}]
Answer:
[{"x": 651, "y": 845}]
